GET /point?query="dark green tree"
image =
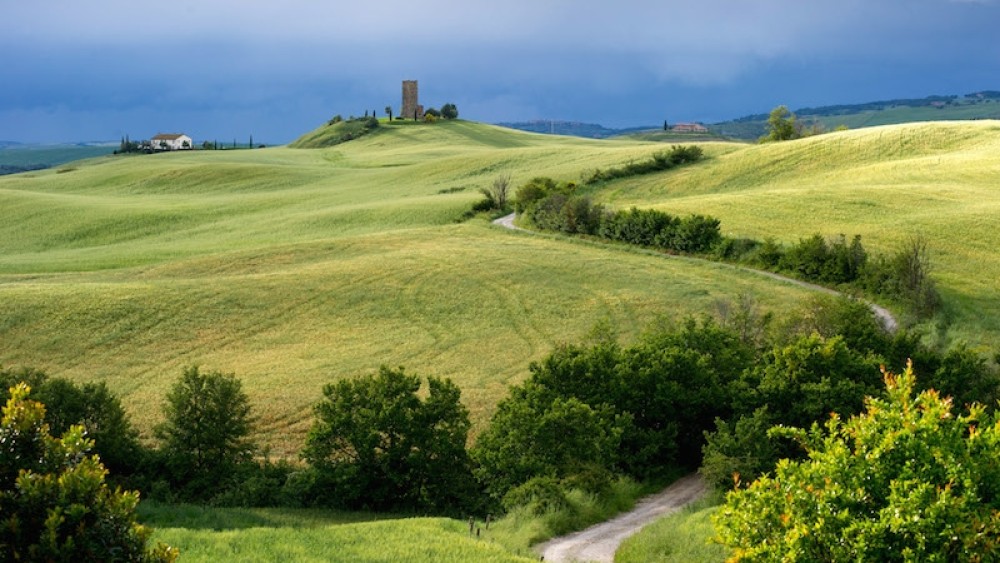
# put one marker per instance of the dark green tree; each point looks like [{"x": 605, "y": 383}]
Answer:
[
  {"x": 377, "y": 444},
  {"x": 538, "y": 433},
  {"x": 388, "y": 111},
  {"x": 207, "y": 428},
  {"x": 91, "y": 405},
  {"x": 54, "y": 503},
  {"x": 781, "y": 125},
  {"x": 449, "y": 111}
]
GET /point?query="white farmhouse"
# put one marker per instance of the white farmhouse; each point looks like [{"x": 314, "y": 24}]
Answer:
[{"x": 171, "y": 142}]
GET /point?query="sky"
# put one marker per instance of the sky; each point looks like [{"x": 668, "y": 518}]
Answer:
[{"x": 227, "y": 69}]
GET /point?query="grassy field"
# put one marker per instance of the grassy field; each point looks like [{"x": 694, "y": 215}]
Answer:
[
  {"x": 249, "y": 535},
  {"x": 682, "y": 537},
  {"x": 293, "y": 268},
  {"x": 938, "y": 180}
]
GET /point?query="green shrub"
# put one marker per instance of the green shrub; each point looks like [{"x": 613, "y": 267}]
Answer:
[
  {"x": 906, "y": 480},
  {"x": 54, "y": 503}
]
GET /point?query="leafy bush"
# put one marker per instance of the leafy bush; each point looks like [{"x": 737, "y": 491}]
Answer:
[
  {"x": 537, "y": 433},
  {"x": 905, "y": 275},
  {"x": 906, "y": 480},
  {"x": 538, "y": 494},
  {"x": 92, "y": 405},
  {"x": 676, "y": 156},
  {"x": 533, "y": 192},
  {"x": 54, "y": 503},
  {"x": 554, "y": 207}
]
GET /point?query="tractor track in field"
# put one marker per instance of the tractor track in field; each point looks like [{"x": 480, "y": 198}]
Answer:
[{"x": 885, "y": 317}]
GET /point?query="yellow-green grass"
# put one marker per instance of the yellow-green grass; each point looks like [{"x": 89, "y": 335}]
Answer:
[
  {"x": 682, "y": 537},
  {"x": 939, "y": 180},
  {"x": 245, "y": 535},
  {"x": 293, "y": 268}
]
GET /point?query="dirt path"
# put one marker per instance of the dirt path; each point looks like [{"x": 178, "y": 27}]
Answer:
[
  {"x": 599, "y": 542},
  {"x": 888, "y": 321}
]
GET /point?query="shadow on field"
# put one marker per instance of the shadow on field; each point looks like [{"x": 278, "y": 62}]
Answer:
[{"x": 195, "y": 517}]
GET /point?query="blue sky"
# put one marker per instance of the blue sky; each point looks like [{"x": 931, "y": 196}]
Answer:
[{"x": 224, "y": 69}]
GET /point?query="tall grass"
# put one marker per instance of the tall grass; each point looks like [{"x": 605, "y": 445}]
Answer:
[
  {"x": 682, "y": 537},
  {"x": 524, "y": 527},
  {"x": 249, "y": 535}
]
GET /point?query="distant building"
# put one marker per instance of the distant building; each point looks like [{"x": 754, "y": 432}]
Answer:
[
  {"x": 171, "y": 142},
  {"x": 689, "y": 128},
  {"x": 411, "y": 108}
]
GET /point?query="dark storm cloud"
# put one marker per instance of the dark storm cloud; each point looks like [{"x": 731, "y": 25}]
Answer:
[{"x": 228, "y": 67}]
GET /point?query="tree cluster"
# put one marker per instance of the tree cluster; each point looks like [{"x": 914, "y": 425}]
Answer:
[
  {"x": 664, "y": 160},
  {"x": 902, "y": 276},
  {"x": 558, "y": 207},
  {"x": 701, "y": 394}
]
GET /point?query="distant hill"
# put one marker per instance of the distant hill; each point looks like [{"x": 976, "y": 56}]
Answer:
[
  {"x": 17, "y": 157},
  {"x": 977, "y": 105},
  {"x": 573, "y": 128}
]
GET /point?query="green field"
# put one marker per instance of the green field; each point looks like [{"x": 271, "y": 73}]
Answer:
[
  {"x": 248, "y": 535},
  {"x": 293, "y": 268},
  {"x": 938, "y": 180}
]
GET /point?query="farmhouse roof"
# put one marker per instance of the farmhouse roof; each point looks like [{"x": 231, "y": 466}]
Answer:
[{"x": 168, "y": 136}]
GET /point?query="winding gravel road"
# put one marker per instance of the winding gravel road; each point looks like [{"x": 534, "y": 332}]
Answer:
[
  {"x": 888, "y": 321},
  {"x": 600, "y": 542}
]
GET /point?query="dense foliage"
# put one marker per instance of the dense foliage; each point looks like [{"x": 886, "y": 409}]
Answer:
[
  {"x": 903, "y": 276},
  {"x": 906, "y": 480},
  {"x": 91, "y": 405},
  {"x": 207, "y": 431},
  {"x": 376, "y": 444},
  {"x": 664, "y": 160},
  {"x": 54, "y": 503},
  {"x": 558, "y": 207}
]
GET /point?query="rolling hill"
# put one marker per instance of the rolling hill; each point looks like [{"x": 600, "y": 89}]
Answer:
[
  {"x": 978, "y": 105},
  {"x": 294, "y": 267}
]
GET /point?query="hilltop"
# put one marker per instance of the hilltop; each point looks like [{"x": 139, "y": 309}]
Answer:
[
  {"x": 977, "y": 105},
  {"x": 294, "y": 267}
]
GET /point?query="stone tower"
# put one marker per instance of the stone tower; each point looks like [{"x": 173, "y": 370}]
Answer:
[{"x": 411, "y": 108}]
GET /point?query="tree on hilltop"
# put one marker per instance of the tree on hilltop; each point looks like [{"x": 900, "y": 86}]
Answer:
[
  {"x": 449, "y": 111},
  {"x": 781, "y": 125}
]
